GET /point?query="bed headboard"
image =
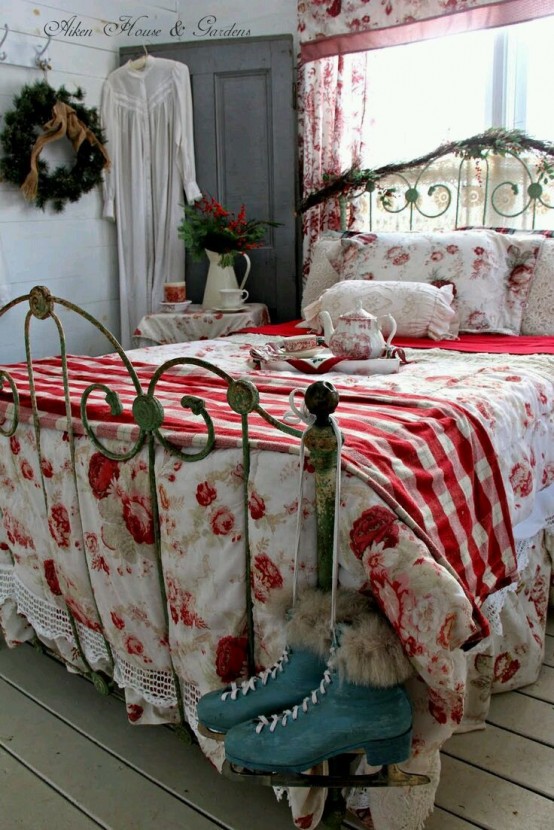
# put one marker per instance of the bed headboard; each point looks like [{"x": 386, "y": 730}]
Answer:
[
  {"x": 498, "y": 178},
  {"x": 496, "y": 181}
]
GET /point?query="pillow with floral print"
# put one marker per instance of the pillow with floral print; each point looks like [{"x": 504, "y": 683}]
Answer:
[
  {"x": 490, "y": 273},
  {"x": 538, "y": 315}
]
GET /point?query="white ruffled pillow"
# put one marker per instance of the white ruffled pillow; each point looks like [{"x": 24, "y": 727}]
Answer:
[
  {"x": 490, "y": 273},
  {"x": 420, "y": 309},
  {"x": 321, "y": 275},
  {"x": 538, "y": 315}
]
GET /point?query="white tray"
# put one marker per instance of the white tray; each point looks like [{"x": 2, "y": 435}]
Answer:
[{"x": 376, "y": 366}]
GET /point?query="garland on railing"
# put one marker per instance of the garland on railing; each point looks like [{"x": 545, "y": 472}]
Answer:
[{"x": 495, "y": 140}]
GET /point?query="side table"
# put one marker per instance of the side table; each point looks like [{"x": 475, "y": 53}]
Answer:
[{"x": 197, "y": 323}]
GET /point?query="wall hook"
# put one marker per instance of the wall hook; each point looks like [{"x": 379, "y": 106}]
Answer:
[
  {"x": 4, "y": 55},
  {"x": 43, "y": 63}
]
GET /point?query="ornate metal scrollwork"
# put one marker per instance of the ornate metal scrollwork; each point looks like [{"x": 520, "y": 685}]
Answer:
[
  {"x": 148, "y": 412},
  {"x": 243, "y": 397},
  {"x": 411, "y": 196},
  {"x": 41, "y": 302}
]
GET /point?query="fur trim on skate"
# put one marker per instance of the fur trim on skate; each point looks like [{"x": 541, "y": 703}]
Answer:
[
  {"x": 370, "y": 654},
  {"x": 279, "y": 604},
  {"x": 309, "y": 624}
]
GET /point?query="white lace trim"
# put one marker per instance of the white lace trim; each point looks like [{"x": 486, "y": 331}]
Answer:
[
  {"x": 493, "y": 605},
  {"x": 53, "y": 623},
  {"x": 6, "y": 583}
]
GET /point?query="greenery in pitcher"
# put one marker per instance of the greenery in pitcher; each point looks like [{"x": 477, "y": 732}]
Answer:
[{"x": 207, "y": 225}]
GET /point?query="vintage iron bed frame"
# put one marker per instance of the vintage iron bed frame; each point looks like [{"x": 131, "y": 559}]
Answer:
[
  {"x": 402, "y": 189},
  {"x": 491, "y": 179},
  {"x": 320, "y": 441}
]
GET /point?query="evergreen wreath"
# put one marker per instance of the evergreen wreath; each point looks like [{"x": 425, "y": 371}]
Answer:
[{"x": 33, "y": 108}]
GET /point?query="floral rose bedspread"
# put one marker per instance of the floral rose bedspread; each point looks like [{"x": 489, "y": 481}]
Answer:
[{"x": 95, "y": 556}]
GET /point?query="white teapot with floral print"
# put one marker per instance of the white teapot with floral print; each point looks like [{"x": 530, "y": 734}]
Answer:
[{"x": 357, "y": 335}]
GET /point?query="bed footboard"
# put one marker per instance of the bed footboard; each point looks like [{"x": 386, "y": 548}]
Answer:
[
  {"x": 96, "y": 457},
  {"x": 123, "y": 397},
  {"x": 148, "y": 518}
]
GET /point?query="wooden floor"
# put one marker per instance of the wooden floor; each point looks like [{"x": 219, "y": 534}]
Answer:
[{"x": 70, "y": 761}]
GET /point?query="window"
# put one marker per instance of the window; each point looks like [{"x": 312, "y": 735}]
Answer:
[{"x": 423, "y": 94}]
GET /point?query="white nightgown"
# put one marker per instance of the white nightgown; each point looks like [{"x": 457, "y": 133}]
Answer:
[{"x": 147, "y": 120}]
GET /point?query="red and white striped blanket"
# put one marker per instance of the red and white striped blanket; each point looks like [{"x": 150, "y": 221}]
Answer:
[{"x": 430, "y": 460}]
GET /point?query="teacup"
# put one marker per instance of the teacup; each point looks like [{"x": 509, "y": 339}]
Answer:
[
  {"x": 299, "y": 343},
  {"x": 232, "y": 297},
  {"x": 175, "y": 292}
]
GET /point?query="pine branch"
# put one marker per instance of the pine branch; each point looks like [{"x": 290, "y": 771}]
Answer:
[{"x": 495, "y": 140}]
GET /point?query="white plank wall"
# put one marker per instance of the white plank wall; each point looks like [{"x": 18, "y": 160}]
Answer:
[
  {"x": 67, "y": 755},
  {"x": 74, "y": 253}
]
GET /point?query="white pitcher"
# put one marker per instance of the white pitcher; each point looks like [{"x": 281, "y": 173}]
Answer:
[{"x": 220, "y": 276}]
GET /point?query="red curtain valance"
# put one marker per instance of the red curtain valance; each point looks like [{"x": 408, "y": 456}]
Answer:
[{"x": 334, "y": 27}]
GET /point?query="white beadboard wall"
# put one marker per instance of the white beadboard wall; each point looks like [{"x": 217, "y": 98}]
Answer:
[{"x": 74, "y": 253}]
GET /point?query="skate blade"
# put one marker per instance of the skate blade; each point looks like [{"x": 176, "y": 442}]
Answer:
[
  {"x": 388, "y": 776},
  {"x": 209, "y": 733}
]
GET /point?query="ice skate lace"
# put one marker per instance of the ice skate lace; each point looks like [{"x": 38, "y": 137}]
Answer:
[
  {"x": 292, "y": 714},
  {"x": 262, "y": 677}
]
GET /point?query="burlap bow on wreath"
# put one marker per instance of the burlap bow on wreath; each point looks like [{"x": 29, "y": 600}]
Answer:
[
  {"x": 57, "y": 113},
  {"x": 64, "y": 122}
]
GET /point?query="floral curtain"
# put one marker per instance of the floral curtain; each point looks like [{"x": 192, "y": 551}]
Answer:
[
  {"x": 331, "y": 120},
  {"x": 334, "y": 37},
  {"x": 332, "y": 27}
]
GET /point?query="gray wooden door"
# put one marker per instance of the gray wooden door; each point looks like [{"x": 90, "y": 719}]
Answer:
[{"x": 245, "y": 150}]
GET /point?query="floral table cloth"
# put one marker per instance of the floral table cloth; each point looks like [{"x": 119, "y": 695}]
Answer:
[{"x": 198, "y": 324}]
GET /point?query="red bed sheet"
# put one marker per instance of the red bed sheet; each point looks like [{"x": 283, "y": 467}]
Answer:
[{"x": 493, "y": 343}]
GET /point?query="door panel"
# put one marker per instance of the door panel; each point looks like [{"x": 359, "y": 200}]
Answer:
[{"x": 245, "y": 151}]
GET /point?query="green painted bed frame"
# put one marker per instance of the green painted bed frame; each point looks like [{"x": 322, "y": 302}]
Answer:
[
  {"x": 416, "y": 192},
  {"x": 394, "y": 189},
  {"x": 321, "y": 399}
]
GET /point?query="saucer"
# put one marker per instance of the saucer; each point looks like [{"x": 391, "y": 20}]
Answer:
[
  {"x": 175, "y": 308},
  {"x": 238, "y": 308},
  {"x": 300, "y": 355}
]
